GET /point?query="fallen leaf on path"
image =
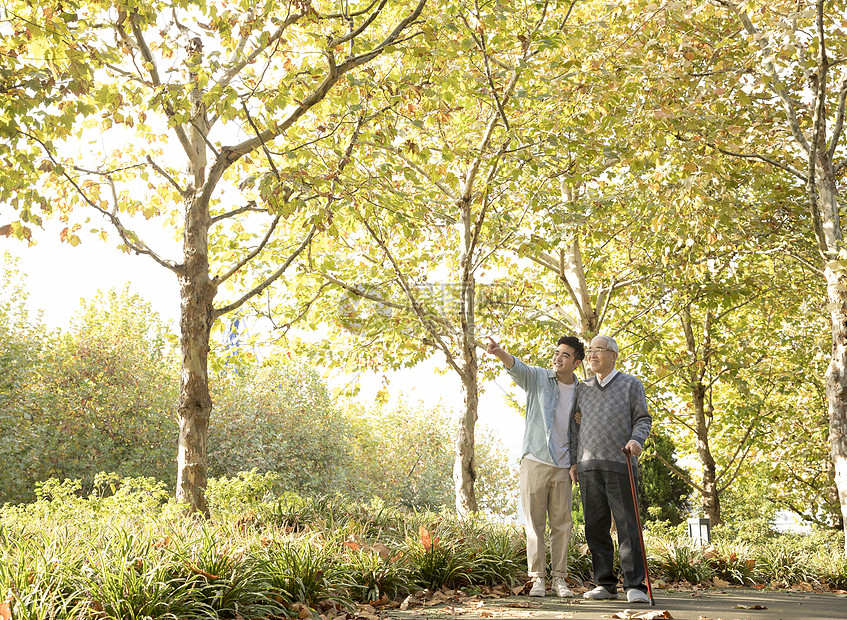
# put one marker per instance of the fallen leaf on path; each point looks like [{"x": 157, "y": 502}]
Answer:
[
  {"x": 643, "y": 615},
  {"x": 6, "y": 608},
  {"x": 522, "y": 605},
  {"x": 524, "y": 589},
  {"x": 804, "y": 586}
]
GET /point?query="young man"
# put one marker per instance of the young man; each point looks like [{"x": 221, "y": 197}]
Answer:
[
  {"x": 545, "y": 485},
  {"x": 614, "y": 418}
]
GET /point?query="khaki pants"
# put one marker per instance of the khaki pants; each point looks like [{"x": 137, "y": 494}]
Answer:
[{"x": 546, "y": 495}]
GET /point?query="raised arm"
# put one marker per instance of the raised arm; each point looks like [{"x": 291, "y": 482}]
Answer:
[{"x": 498, "y": 352}]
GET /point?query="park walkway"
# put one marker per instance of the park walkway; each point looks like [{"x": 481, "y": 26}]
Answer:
[{"x": 718, "y": 604}]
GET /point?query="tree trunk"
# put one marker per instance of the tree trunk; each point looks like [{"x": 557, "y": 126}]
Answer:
[
  {"x": 836, "y": 385},
  {"x": 464, "y": 467},
  {"x": 710, "y": 499},
  {"x": 197, "y": 294}
]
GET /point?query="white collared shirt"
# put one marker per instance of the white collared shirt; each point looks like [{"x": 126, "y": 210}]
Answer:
[{"x": 609, "y": 377}]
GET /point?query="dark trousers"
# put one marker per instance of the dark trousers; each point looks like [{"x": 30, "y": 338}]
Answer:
[{"x": 607, "y": 493}]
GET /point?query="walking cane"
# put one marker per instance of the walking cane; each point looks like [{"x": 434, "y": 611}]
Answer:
[{"x": 638, "y": 522}]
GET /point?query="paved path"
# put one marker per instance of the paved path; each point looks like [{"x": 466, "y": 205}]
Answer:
[{"x": 724, "y": 604}]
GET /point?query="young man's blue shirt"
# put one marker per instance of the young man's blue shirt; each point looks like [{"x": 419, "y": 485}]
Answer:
[{"x": 542, "y": 398}]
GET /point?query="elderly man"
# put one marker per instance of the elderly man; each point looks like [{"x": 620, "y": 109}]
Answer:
[
  {"x": 545, "y": 483},
  {"x": 612, "y": 409}
]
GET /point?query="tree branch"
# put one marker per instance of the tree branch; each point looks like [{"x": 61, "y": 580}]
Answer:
[
  {"x": 270, "y": 279},
  {"x": 250, "y": 256},
  {"x": 418, "y": 310},
  {"x": 147, "y": 56},
  {"x": 129, "y": 238},
  {"x": 685, "y": 477},
  {"x": 231, "y": 154},
  {"x": 168, "y": 177},
  {"x": 250, "y": 206}
]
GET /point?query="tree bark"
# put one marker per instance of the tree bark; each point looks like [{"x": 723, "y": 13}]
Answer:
[
  {"x": 464, "y": 466},
  {"x": 710, "y": 497},
  {"x": 197, "y": 314},
  {"x": 836, "y": 385},
  {"x": 197, "y": 293}
]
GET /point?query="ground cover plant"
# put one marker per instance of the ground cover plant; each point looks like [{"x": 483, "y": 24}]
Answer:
[{"x": 125, "y": 549}]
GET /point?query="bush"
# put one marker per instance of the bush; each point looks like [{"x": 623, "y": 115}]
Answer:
[
  {"x": 678, "y": 559},
  {"x": 784, "y": 561},
  {"x": 663, "y": 495},
  {"x": 278, "y": 418},
  {"x": 435, "y": 563},
  {"x": 734, "y": 562},
  {"x": 99, "y": 397},
  {"x": 404, "y": 454},
  {"x": 77, "y": 554}
]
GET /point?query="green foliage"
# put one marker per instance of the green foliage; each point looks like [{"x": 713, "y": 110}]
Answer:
[
  {"x": 99, "y": 397},
  {"x": 436, "y": 563},
  {"x": 496, "y": 556},
  {"x": 71, "y": 553},
  {"x": 372, "y": 573},
  {"x": 784, "y": 561},
  {"x": 278, "y": 418},
  {"x": 302, "y": 571},
  {"x": 734, "y": 562},
  {"x": 579, "y": 558},
  {"x": 231, "y": 496},
  {"x": 664, "y": 495},
  {"x": 679, "y": 560},
  {"x": 405, "y": 453}
]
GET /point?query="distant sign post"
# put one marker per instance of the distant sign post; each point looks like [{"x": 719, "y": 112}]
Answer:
[{"x": 700, "y": 530}]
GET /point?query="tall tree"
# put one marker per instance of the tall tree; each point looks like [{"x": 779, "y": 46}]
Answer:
[
  {"x": 764, "y": 84},
  {"x": 195, "y": 121},
  {"x": 437, "y": 194}
]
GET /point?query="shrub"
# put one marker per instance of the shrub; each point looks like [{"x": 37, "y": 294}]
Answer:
[
  {"x": 371, "y": 573},
  {"x": 496, "y": 552},
  {"x": 435, "y": 562},
  {"x": 278, "y": 418},
  {"x": 679, "y": 560},
  {"x": 733, "y": 562},
  {"x": 302, "y": 571},
  {"x": 579, "y": 559},
  {"x": 784, "y": 560},
  {"x": 831, "y": 568},
  {"x": 247, "y": 491}
]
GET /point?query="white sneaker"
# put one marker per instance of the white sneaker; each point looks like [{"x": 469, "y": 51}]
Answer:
[
  {"x": 561, "y": 588},
  {"x": 634, "y": 595},
  {"x": 600, "y": 594},
  {"x": 538, "y": 588}
]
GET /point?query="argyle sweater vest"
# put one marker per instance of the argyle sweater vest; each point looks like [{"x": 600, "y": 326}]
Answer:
[{"x": 611, "y": 416}]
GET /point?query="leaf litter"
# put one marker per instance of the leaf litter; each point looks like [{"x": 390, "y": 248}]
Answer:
[{"x": 628, "y": 614}]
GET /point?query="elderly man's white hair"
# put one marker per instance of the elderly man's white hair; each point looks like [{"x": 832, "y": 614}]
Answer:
[{"x": 610, "y": 343}]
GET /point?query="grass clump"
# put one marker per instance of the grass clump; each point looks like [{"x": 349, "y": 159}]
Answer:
[{"x": 125, "y": 550}]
